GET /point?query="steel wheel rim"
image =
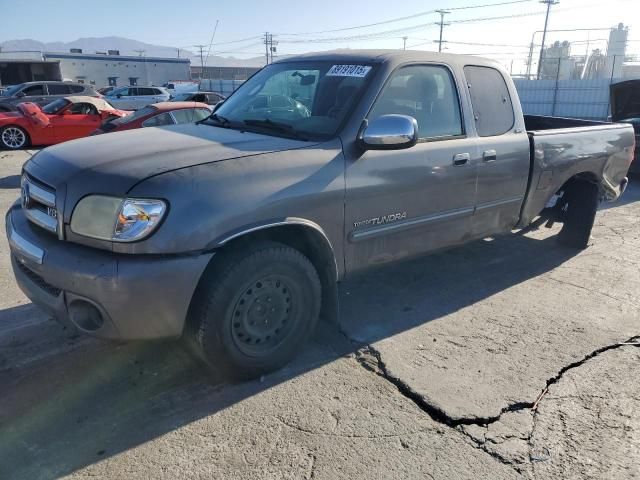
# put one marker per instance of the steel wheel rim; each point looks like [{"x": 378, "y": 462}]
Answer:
[
  {"x": 13, "y": 137},
  {"x": 262, "y": 317}
]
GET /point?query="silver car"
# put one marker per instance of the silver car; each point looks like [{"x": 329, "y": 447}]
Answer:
[{"x": 133, "y": 98}]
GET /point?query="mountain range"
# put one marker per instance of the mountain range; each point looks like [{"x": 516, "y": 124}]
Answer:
[{"x": 126, "y": 46}]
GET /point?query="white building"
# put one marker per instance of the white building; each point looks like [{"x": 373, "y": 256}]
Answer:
[
  {"x": 100, "y": 69},
  {"x": 114, "y": 69}
]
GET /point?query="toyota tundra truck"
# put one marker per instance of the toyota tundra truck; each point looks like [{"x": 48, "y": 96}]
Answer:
[{"x": 233, "y": 232}]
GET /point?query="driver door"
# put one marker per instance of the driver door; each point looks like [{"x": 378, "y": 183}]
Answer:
[{"x": 401, "y": 203}]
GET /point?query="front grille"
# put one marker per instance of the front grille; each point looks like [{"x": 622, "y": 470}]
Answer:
[
  {"x": 39, "y": 203},
  {"x": 38, "y": 280}
]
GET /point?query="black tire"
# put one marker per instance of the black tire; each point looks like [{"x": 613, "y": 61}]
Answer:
[
  {"x": 579, "y": 214},
  {"x": 253, "y": 311},
  {"x": 13, "y": 137}
]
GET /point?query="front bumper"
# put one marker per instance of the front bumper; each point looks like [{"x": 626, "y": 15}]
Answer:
[{"x": 137, "y": 296}]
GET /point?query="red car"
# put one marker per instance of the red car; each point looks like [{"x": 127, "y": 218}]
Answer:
[
  {"x": 63, "y": 119},
  {"x": 157, "y": 115}
]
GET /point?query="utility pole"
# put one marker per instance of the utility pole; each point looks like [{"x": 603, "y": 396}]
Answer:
[
  {"x": 201, "y": 53},
  {"x": 404, "y": 43},
  {"x": 549, "y": 3},
  {"x": 442, "y": 25},
  {"x": 269, "y": 47}
]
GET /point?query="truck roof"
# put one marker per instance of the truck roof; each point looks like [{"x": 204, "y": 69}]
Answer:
[{"x": 393, "y": 56}]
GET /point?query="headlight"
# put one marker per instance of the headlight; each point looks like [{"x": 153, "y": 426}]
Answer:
[{"x": 117, "y": 219}]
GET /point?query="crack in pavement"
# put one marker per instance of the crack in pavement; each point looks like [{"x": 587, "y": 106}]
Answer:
[{"x": 371, "y": 359}]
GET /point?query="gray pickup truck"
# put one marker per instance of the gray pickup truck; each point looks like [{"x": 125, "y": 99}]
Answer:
[{"x": 233, "y": 232}]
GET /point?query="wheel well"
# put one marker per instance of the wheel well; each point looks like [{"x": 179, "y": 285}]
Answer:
[
  {"x": 308, "y": 241},
  {"x": 584, "y": 177}
]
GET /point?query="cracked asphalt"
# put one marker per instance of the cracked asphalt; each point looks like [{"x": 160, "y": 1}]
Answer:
[{"x": 507, "y": 358}]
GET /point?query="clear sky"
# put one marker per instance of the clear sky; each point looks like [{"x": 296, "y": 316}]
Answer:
[{"x": 190, "y": 22}]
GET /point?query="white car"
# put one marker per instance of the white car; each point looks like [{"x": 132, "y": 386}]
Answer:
[{"x": 133, "y": 98}]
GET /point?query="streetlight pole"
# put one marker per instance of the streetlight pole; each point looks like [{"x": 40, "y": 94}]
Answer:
[{"x": 544, "y": 34}]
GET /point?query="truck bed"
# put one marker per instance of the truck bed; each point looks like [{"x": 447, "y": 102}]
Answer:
[
  {"x": 563, "y": 148},
  {"x": 539, "y": 123}
]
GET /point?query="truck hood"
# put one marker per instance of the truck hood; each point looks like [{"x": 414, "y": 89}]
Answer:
[{"x": 112, "y": 164}]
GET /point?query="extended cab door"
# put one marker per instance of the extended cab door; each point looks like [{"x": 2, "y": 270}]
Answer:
[
  {"x": 405, "y": 202},
  {"x": 503, "y": 169}
]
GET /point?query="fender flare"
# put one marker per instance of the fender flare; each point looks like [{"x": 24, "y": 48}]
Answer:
[{"x": 288, "y": 221}]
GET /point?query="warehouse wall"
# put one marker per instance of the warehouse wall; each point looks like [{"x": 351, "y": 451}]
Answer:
[{"x": 99, "y": 69}]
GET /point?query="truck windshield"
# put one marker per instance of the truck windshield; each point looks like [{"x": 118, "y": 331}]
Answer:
[{"x": 299, "y": 99}]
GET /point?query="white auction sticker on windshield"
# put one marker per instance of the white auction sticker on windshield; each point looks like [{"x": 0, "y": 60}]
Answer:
[{"x": 349, "y": 71}]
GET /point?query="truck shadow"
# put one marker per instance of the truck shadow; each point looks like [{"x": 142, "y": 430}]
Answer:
[{"x": 94, "y": 400}]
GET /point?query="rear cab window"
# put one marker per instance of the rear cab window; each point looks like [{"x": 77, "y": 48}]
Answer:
[{"x": 490, "y": 99}]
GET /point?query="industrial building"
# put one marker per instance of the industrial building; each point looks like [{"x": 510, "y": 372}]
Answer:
[
  {"x": 100, "y": 68},
  {"x": 559, "y": 64}
]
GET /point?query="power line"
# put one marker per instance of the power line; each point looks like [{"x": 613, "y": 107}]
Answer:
[
  {"x": 213, "y": 35},
  {"x": 502, "y": 17},
  {"x": 399, "y": 19},
  {"x": 364, "y": 36},
  {"x": 490, "y": 5}
]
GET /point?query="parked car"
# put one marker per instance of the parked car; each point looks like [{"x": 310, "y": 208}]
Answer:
[
  {"x": 158, "y": 115},
  {"x": 233, "y": 231},
  {"x": 625, "y": 107},
  {"x": 133, "y": 98},
  {"x": 42, "y": 93},
  {"x": 181, "y": 86},
  {"x": 210, "y": 98},
  {"x": 61, "y": 120}
]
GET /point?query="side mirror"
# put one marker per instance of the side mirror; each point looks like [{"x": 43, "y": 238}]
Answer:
[
  {"x": 119, "y": 95},
  {"x": 389, "y": 132},
  {"x": 20, "y": 94}
]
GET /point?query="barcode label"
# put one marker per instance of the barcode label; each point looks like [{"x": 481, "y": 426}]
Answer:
[{"x": 348, "y": 71}]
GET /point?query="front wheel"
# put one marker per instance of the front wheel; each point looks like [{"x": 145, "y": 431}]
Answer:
[
  {"x": 13, "y": 137},
  {"x": 254, "y": 312}
]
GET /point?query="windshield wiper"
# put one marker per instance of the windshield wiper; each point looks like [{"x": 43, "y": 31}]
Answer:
[
  {"x": 275, "y": 126},
  {"x": 219, "y": 119}
]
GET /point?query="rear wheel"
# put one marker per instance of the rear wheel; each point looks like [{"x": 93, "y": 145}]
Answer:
[
  {"x": 13, "y": 137},
  {"x": 578, "y": 214},
  {"x": 256, "y": 309}
]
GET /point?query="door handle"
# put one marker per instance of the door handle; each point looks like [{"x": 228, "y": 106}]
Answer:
[
  {"x": 460, "y": 159},
  {"x": 489, "y": 156}
]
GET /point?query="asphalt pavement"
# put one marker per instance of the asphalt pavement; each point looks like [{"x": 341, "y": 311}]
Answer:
[{"x": 510, "y": 357}]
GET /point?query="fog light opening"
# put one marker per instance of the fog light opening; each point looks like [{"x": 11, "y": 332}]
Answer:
[{"x": 85, "y": 316}]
